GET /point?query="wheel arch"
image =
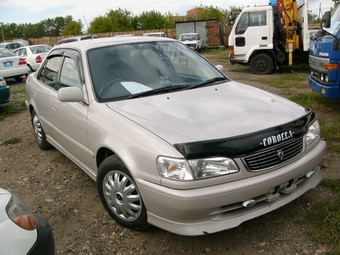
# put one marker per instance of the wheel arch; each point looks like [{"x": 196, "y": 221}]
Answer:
[{"x": 270, "y": 53}]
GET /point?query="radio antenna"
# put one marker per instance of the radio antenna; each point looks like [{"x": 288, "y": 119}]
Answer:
[{"x": 86, "y": 24}]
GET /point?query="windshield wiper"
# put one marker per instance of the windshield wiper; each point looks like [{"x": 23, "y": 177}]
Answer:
[
  {"x": 208, "y": 82},
  {"x": 158, "y": 91}
]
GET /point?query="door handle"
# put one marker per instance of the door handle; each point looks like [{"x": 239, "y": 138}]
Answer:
[{"x": 264, "y": 38}]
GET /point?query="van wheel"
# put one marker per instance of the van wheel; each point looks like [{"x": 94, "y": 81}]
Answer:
[
  {"x": 120, "y": 195},
  {"x": 261, "y": 64}
]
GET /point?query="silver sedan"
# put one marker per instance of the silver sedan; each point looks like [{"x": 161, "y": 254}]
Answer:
[{"x": 170, "y": 140}]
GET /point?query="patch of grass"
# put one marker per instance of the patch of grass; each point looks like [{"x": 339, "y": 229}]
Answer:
[
  {"x": 325, "y": 219},
  {"x": 294, "y": 68},
  {"x": 218, "y": 53},
  {"x": 13, "y": 140},
  {"x": 17, "y": 103},
  {"x": 328, "y": 114},
  {"x": 285, "y": 81},
  {"x": 312, "y": 100}
]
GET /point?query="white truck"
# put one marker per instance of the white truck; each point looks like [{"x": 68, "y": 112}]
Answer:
[{"x": 265, "y": 37}]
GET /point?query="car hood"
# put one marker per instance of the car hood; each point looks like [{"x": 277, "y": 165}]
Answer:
[
  {"x": 4, "y": 192},
  {"x": 220, "y": 111}
]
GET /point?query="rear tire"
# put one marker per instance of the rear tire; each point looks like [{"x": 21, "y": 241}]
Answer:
[
  {"x": 18, "y": 78},
  {"x": 261, "y": 64},
  {"x": 120, "y": 195},
  {"x": 39, "y": 133}
]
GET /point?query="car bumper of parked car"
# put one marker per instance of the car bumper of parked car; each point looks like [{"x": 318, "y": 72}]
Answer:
[
  {"x": 45, "y": 240},
  {"x": 5, "y": 95},
  {"x": 14, "y": 72},
  {"x": 211, "y": 209}
]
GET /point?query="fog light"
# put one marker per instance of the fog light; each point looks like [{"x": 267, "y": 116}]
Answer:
[
  {"x": 310, "y": 174},
  {"x": 249, "y": 203}
]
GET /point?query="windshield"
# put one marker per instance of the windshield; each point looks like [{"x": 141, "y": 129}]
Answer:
[
  {"x": 335, "y": 22},
  {"x": 40, "y": 49},
  {"x": 6, "y": 53},
  {"x": 144, "y": 69}
]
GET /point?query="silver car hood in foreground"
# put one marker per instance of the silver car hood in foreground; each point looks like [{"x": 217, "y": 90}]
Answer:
[{"x": 220, "y": 111}]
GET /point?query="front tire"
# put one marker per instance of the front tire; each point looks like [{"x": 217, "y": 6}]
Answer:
[
  {"x": 39, "y": 133},
  {"x": 120, "y": 195},
  {"x": 261, "y": 64}
]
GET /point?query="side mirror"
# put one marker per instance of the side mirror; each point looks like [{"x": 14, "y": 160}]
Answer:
[
  {"x": 220, "y": 68},
  {"x": 70, "y": 94},
  {"x": 327, "y": 19}
]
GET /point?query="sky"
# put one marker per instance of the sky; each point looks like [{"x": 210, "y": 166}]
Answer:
[{"x": 21, "y": 11}]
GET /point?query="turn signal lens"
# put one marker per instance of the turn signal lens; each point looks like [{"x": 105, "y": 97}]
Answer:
[
  {"x": 19, "y": 213},
  {"x": 331, "y": 67}
]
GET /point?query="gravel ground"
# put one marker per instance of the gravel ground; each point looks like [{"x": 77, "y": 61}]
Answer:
[{"x": 59, "y": 191}]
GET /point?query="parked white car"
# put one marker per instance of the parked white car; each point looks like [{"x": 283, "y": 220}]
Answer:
[
  {"x": 22, "y": 232},
  {"x": 11, "y": 46},
  {"x": 12, "y": 66},
  {"x": 192, "y": 40},
  {"x": 170, "y": 140},
  {"x": 33, "y": 54},
  {"x": 156, "y": 34}
]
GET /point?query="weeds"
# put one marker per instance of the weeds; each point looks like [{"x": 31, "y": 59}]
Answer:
[{"x": 13, "y": 140}]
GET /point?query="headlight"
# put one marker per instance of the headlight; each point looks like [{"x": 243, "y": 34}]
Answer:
[
  {"x": 183, "y": 170},
  {"x": 19, "y": 213},
  {"x": 313, "y": 133},
  {"x": 2, "y": 82}
]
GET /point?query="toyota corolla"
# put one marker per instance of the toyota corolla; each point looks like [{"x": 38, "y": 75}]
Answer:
[{"x": 169, "y": 139}]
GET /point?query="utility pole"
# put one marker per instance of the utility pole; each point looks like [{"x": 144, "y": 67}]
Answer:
[{"x": 2, "y": 30}]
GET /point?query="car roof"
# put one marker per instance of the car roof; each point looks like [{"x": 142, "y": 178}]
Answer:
[
  {"x": 108, "y": 41},
  {"x": 189, "y": 33},
  {"x": 77, "y": 38}
]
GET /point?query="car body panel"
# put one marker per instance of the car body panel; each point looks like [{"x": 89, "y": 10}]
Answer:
[
  {"x": 11, "y": 45},
  {"x": 140, "y": 129},
  {"x": 9, "y": 65},
  {"x": 15, "y": 240},
  {"x": 168, "y": 119},
  {"x": 192, "y": 40},
  {"x": 32, "y": 52},
  {"x": 5, "y": 93}
]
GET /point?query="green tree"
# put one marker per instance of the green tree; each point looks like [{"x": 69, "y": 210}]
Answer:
[
  {"x": 152, "y": 20},
  {"x": 211, "y": 12},
  {"x": 101, "y": 24},
  {"x": 120, "y": 20},
  {"x": 73, "y": 28},
  {"x": 233, "y": 13}
]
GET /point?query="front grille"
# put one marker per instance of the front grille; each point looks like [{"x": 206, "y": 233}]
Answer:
[{"x": 270, "y": 157}]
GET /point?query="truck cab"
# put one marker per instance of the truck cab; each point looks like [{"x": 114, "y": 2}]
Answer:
[{"x": 324, "y": 57}]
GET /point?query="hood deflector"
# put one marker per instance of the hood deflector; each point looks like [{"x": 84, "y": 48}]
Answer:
[{"x": 245, "y": 144}]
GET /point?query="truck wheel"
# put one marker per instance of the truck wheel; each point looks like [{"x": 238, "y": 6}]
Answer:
[
  {"x": 120, "y": 195},
  {"x": 261, "y": 64}
]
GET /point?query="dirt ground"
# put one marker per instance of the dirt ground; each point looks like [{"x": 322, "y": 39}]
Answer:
[{"x": 59, "y": 191}]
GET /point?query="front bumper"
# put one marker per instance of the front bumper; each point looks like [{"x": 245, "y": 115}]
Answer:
[
  {"x": 14, "y": 72},
  {"x": 45, "y": 240},
  {"x": 5, "y": 95},
  {"x": 326, "y": 91},
  {"x": 216, "y": 208}
]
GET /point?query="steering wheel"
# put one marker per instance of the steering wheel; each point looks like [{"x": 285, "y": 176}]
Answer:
[{"x": 102, "y": 92}]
